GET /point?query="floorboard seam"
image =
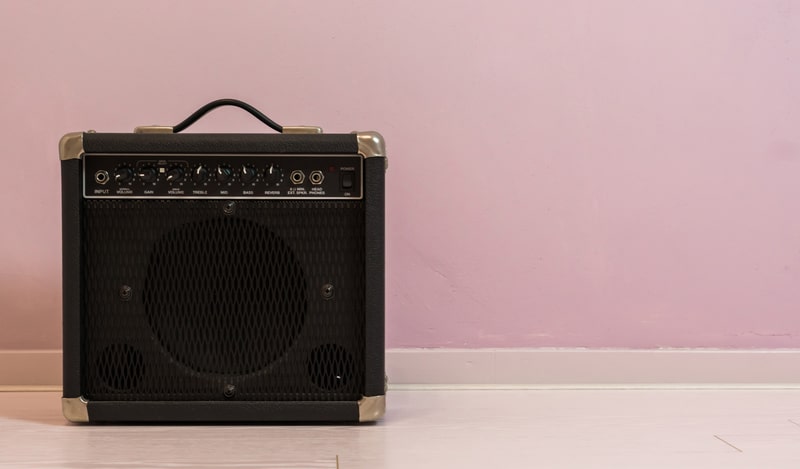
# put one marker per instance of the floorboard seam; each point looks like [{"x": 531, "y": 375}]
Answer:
[{"x": 728, "y": 443}]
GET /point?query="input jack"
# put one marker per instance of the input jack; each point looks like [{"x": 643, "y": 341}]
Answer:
[
  {"x": 316, "y": 177},
  {"x": 101, "y": 177},
  {"x": 297, "y": 177}
]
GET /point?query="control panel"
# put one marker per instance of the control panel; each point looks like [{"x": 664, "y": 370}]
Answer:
[{"x": 116, "y": 176}]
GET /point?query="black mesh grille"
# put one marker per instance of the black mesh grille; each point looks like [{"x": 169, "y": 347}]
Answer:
[
  {"x": 184, "y": 302},
  {"x": 229, "y": 286}
]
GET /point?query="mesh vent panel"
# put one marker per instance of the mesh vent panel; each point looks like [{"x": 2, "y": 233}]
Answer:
[{"x": 183, "y": 302}]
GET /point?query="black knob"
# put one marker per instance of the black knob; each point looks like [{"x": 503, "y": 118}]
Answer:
[
  {"x": 148, "y": 174},
  {"x": 175, "y": 174},
  {"x": 224, "y": 173},
  {"x": 123, "y": 175},
  {"x": 200, "y": 174},
  {"x": 249, "y": 173},
  {"x": 273, "y": 174}
]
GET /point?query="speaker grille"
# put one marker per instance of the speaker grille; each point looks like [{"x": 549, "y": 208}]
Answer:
[
  {"x": 224, "y": 295},
  {"x": 183, "y": 301}
]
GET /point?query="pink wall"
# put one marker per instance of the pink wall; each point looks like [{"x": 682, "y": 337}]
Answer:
[{"x": 563, "y": 173}]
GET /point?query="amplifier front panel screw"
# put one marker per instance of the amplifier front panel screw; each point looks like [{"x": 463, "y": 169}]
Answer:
[
  {"x": 125, "y": 293},
  {"x": 229, "y": 207},
  {"x": 327, "y": 291}
]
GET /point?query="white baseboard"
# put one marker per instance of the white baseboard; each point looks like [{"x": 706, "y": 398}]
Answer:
[
  {"x": 514, "y": 368},
  {"x": 30, "y": 368},
  {"x": 593, "y": 368}
]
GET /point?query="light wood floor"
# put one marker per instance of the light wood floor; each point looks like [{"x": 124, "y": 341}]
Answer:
[{"x": 441, "y": 429}]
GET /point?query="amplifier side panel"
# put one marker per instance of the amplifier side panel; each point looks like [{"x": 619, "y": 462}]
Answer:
[
  {"x": 71, "y": 275},
  {"x": 374, "y": 195}
]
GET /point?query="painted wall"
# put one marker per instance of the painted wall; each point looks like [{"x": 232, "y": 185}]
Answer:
[{"x": 563, "y": 173}]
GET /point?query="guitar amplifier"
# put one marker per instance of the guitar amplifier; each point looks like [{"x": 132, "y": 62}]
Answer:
[{"x": 223, "y": 277}]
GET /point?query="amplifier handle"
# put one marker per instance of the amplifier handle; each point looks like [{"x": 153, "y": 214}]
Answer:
[{"x": 300, "y": 129}]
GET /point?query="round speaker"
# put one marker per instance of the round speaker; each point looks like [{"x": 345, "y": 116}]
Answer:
[
  {"x": 120, "y": 366},
  {"x": 224, "y": 295}
]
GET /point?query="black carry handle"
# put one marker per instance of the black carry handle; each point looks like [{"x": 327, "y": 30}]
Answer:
[{"x": 226, "y": 102}]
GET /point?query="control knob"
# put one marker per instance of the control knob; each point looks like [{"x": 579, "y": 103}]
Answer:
[
  {"x": 175, "y": 174},
  {"x": 148, "y": 174},
  {"x": 224, "y": 173},
  {"x": 200, "y": 174},
  {"x": 249, "y": 173},
  {"x": 273, "y": 174},
  {"x": 123, "y": 175}
]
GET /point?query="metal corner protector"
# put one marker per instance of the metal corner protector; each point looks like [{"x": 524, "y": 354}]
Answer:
[
  {"x": 70, "y": 147},
  {"x": 370, "y": 144},
  {"x": 371, "y": 408},
  {"x": 75, "y": 409}
]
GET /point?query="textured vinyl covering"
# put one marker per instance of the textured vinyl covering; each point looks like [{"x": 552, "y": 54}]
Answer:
[{"x": 220, "y": 143}]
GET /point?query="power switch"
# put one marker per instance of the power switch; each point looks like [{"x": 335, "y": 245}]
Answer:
[{"x": 347, "y": 179}]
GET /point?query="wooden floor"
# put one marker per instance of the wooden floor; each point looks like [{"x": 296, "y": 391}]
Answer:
[{"x": 441, "y": 429}]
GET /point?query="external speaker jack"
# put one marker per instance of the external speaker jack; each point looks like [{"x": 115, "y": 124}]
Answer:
[
  {"x": 101, "y": 177},
  {"x": 297, "y": 176},
  {"x": 316, "y": 177}
]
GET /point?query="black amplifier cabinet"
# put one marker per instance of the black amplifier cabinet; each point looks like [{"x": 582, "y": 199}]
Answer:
[{"x": 223, "y": 277}]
